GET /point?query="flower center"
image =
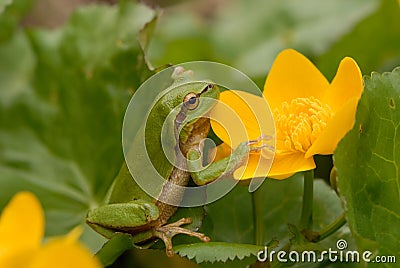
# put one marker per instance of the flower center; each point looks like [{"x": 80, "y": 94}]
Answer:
[{"x": 299, "y": 123}]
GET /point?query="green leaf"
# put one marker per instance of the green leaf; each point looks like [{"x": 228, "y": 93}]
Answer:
[
  {"x": 144, "y": 38},
  {"x": 111, "y": 250},
  {"x": 62, "y": 100},
  {"x": 217, "y": 251},
  {"x": 367, "y": 161},
  {"x": 230, "y": 219},
  {"x": 196, "y": 213},
  {"x": 226, "y": 222}
]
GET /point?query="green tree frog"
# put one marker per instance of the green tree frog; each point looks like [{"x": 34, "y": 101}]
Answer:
[{"x": 130, "y": 210}]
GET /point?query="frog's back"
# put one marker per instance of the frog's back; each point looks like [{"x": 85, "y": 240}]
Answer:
[
  {"x": 125, "y": 189},
  {"x": 146, "y": 157}
]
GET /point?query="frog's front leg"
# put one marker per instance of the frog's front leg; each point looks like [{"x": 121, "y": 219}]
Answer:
[
  {"x": 166, "y": 232},
  {"x": 225, "y": 165}
]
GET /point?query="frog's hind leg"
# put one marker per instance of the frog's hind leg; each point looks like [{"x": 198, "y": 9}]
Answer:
[{"x": 166, "y": 232}]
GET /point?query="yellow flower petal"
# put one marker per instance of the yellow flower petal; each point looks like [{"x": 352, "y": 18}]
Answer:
[
  {"x": 282, "y": 176},
  {"x": 17, "y": 258},
  {"x": 347, "y": 84},
  {"x": 21, "y": 225},
  {"x": 221, "y": 151},
  {"x": 240, "y": 116},
  {"x": 65, "y": 252},
  {"x": 256, "y": 167},
  {"x": 285, "y": 166},
  {"x": 335, "y": 129},
  {"x": 292, "y": 76}
]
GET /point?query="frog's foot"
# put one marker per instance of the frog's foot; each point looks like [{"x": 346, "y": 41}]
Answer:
[
  {"x": 260, "y": 143},
  {"x": 166, "y": 232}
]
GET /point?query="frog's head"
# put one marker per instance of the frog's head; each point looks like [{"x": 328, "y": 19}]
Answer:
[
  {"x": 182, "y": 108},
  {"x": 197, "y": 100},
  {"x": 200, "y": 99},
  {"x": 187, "y": 98}
]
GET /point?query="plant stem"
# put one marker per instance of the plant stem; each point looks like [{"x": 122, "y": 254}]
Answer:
[
  {"x": 306, "y": 212},
  {"x": 258, "y": 216},
  {"x": 333, "y": 227}
]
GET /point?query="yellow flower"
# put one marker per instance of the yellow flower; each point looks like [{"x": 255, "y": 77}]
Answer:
[
  {"x": 240, "y": 116},
  {"x": 311, "y": 115},
  {"x": 21, "y": 234}
]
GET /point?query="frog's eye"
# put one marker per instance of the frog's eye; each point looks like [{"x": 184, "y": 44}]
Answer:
[{"x": 191, "y": 101}]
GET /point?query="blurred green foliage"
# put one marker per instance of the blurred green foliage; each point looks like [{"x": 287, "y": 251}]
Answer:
[
  {"x": 62, "y": 100},
  {"x": 373, "y": 42},
  {"x": 63, "y": 94},
  {"x": 11, "y": 13},
  {"x": 249, "y": 34}
]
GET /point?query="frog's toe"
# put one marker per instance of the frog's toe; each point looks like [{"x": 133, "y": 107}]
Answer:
[
  {"x": 260, "y": 143},
  {"x": 181, "y": 222},
  {"x": 166, "y": 232}
]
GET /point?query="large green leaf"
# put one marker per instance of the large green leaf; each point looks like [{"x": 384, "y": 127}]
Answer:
[
  {"x": 62, "y": 99},
  {"x": 367, "y": 161}
]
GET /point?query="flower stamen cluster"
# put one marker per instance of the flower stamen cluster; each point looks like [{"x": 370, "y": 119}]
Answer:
[{"x": 300, "y": 122}]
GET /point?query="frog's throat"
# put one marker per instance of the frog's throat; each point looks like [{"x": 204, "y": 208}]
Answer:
[
  {"x": 189, "y": 136},
  {"x": 196, "y": 134}
]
